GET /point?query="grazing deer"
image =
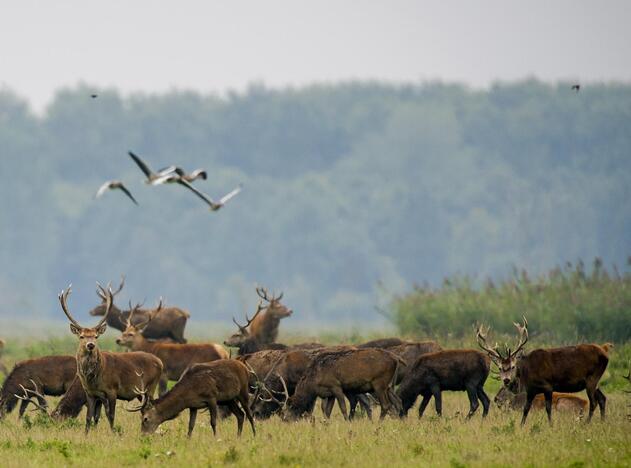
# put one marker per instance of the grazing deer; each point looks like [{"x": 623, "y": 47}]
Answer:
[
  {"x": 71, "y": 403},
  {"x": 169, "y": 326},
  {"x": 508, "y": 396},
  {"x": 223, "y": 382},
  {"x": 343, "y": 372},
  {"x": 52, "y": 374},
  {"x": 452, "y": 370},
  {"x": 107, "y": 377},
  {"x": 262, "y": 328},
  {"x": 175, "y": 357},
  {"x": 567, "y": 369}
]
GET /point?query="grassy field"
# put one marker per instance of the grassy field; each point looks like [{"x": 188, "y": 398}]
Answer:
[{"x": 450, "y": 441}]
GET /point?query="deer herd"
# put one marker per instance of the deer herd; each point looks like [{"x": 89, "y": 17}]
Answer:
[{"x": 267, "y": 378}]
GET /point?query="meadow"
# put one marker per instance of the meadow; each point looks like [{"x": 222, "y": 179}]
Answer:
[{"x": 449, "y": 441}]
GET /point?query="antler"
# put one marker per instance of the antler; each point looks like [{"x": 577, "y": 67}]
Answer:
[
  {"x": 142, "y": 393},
  {"x": 28, "y": 394},
  {"x": 263, "y": 294},
  {"x": 242, "y": 328},
  {"x": 63, "y": 299},
  {"x": 120, "y": 287},
  {"x": 108, "y": 302},
  {"x": 481, "y": 336},
  {"x": 523, "y": 336}
]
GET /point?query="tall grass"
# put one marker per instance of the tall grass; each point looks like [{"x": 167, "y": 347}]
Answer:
[{"x": 567, "y": 304}]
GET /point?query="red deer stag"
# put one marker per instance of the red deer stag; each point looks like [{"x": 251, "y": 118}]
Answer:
[
  {"x": 568, "y": 369},
  {"x": 262, "y": 329},
  {"x": 223, "y": 382},
  {"x": 451, "y": 370},
  {"x": 508, "y": 396},
  {"x": 107, "y": 377},
  {"x": 507, "y": 362},
  {"x": 169, "y": 326},
  {"x": 344, "y": 372},
  {"x": 175, "y": 357},
  {"x": 52, "y": 374}
]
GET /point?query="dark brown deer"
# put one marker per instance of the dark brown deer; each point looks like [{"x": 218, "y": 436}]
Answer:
[
  {"x": 560, "y": 401},
  {"x": 71, "y": 403},
  {"x": 48, "y": 375},
  {"x": 107, "y": 377},
  {"x": 262, "y": 328},
  {"x": 383, "y": 343},
  {"x": 345, "y": 372},
  {"x": 451, "y": 370},
  {"x": 175, "y": 357},
  {"x": 223, "y": 382},
  {"x": 169, "y": 325}
]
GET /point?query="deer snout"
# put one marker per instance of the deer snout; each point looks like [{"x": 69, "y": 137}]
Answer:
[
  {"x": 506, "y": 381},
  {"x": 290, "y": 311},
  {"x": 90, "y": 346}
]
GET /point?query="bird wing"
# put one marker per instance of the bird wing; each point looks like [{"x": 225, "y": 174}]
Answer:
[
  {"x": 169, "y": 177},
  {"x": 141, "y": 164},
  {"x": 103, "y": 188},
  {"x": 128, "y": 193},
  {"x": 200, "y": 194},
  {"x": 199, "y": 173},
  {"x": 230, "y": 195},
  {"x": 170, "y": 170}
]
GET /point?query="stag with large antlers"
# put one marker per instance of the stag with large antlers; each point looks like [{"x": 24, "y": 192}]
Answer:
[
  {"x": 223, "y": 382},
  {"x": 505, "y": 361},
  {"x": 262, "y": 329},
  {"x": 169, "y": 325},
  {"x": 48, "y": 375},
  {"x": 107, "y": 377},
  {"x": 175, "y": 357}
]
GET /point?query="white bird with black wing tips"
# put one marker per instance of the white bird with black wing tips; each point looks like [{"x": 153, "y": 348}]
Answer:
[{"x": 114, "y": 185}]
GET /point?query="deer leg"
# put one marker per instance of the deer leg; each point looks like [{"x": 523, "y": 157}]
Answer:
[
  {"x": 364, "y": 402},
  {"x": 327, "y": 406},
  {"x": 384, "y": 402},
  {"x": 438, "y": 401},
  {"x": 591, "y": 396},
  {"x": 212, "y": 407},
  {"x": 243, "y": 399},
  {"x": 110, "y": 409},
  {"x": 484, "y": 398},
  {"x": 352, "y": 400},
  {"x": 548, "y": 396},
  {"x": 89, "y": 413},
  {"x": 192, "y": 416},
  {"x": 530, "y": 395},
  {"x": 423, "y": 405},
  {"x": 234, "y": 408},
  {"x": 602, "y": 401},
  {"x": 97, "y": 412},
  {"x": 341, "y": 401},
  {"x": 473, "y": 401}
]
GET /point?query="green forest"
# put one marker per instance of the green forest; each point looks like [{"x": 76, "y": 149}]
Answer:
[{"x": 353, "y": 193}]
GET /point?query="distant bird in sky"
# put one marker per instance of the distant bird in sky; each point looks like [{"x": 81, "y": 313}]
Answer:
[
  {"x": 214, "y": 205},
  {"x": 151, "y": 176},
  {"x": 113, "y": 185},
  {"x": 178, "y": 172},
  {"x": 576, "y": 87},
  {"x": 94, "y": 96}
]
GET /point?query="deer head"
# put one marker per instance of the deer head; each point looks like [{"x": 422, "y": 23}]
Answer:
[
  {"x": 239, "y": 338},
  {"x": 150, "y": 417},
  {"x": 506, "y": 361},
  {"x": 87, "y": 336},
  {"x": 100, "y": 309},
  {"x": 274, "y": 306},
  {"x": 132, "y": 336}
]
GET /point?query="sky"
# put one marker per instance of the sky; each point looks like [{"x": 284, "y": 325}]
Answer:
[{"x": 217, "y": 46}]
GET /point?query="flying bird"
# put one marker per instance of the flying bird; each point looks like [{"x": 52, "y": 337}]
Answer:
[
  {"x": 151, "y": 176},
  {"x": 214, "y": 205},
  {"x": 576, "y": 87},
  {"x": 177, "y": 173},
  {"x": 113, "y": 185},
  {"x": 94, "y": 96}
]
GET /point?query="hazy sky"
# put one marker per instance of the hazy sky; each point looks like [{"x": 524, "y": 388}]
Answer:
[{"x": 213, "y": 46}]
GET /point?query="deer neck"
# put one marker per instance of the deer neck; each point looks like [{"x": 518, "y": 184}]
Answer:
[
  {"x": 89, "y": 368},
  {"x": 171, "y": 404},
  {"x": 141, "y": 343}
]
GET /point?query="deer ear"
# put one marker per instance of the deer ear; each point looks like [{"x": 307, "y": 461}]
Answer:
[
  {"x": 102, "y": 329},
  {"x": 74, "y": 329}
]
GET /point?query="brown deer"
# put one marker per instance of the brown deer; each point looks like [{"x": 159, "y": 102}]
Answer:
[
  {"x": 451, "y": 370},
  {"x": 383, "y": 343},
  {"x": 507, "y": 396},
  {"x": 175, "y": 357},
  {"x": 168, "y": 326},
  {"x": 52, "y": 374},
  {"x": 567, "y": 369},
  {"x": 410, "y": 352},
  {"x": 262, "y": 328},
  {"x": 223, "y": 382},
  {"x": 107, "y": 377},
  {"x": 344, "y": 372}
]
